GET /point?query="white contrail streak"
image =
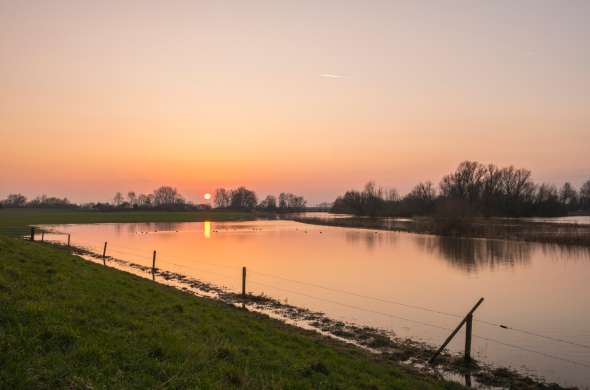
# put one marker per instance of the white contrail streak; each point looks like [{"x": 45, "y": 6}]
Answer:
[{"x": 331, "y": 76}]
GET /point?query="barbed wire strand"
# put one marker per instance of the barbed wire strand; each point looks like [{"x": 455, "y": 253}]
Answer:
[
  {"x": 434, "y": 326},
  {"x": 483, "y": 321},
  {"x": 416, "y": 307}
]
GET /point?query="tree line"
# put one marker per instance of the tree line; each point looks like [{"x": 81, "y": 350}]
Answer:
[
  {"x": 242, "y": 198},
  {"x": 164, "y": 197},
  {"x": 43, "y": 201},
  {"x": 167, "y": 198},
  {"x": 473, "y": 189}
]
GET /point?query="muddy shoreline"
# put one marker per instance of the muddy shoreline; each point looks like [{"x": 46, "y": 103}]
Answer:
[{"x": 385, "y": 345}]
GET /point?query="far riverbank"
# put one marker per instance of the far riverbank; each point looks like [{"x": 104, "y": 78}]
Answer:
[{"x": 492, "y": 228}]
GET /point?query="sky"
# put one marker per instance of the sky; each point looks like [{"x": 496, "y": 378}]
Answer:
[{"x": 310, "y": 97}]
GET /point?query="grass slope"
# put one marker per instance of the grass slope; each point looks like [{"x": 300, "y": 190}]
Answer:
[
  {"x": 15, "y": 221},
  {"x": 67, "y": 323}
]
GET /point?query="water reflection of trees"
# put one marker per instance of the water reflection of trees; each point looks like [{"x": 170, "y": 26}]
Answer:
[
  {"x": 566, "y": 252},
  {"x": 473, "y": 254},
  {"x": 371, "y": 239}
]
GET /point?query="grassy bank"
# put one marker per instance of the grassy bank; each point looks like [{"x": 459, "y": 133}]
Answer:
[
  {"x": 15, "y": 221},
  {"x": 67, "y": 323}
]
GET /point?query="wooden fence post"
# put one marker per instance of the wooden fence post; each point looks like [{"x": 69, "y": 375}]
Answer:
[
  {"x": 243, "y": 282},
  {"x": 154, "y": 263},
  {"x": 467, "y": 320},
  {"x": 32, "y": 233},
  {"x": 104, "y": 254},
  {"x": 42, "y": 235},
  {"x": 68, "y": 240},
  {"x": 468, "y": 330}
]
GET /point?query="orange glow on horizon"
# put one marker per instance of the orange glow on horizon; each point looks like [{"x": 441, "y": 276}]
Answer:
[{"x": 205, "y": 94}]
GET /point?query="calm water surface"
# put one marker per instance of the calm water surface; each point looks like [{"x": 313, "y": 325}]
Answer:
[
  {"x": 580, "y": 220},
  {"x": 538, "y": 288}
]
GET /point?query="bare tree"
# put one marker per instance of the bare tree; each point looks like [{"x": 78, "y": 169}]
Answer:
[
  {"x": 132, "y": 198},
  {"x": 144, "y": 200},
  {"x": 269, "y": 203},
  {"x": 424, "y": 192},
  {"x": 283, "y": 200},
  {"x": 14, "y": 200},
  {"x": 546, "y": 193},
  {"x": 289, "y": 201},
  {"x": 243, "y": 198},
  {"x": 585, "y": 195},
  {"x": 391, "y": 195},
  {"x": 118, "y": 199},
  {"x": 568, "y": 196},
  {"x": 465, "y": 183},
  {"x": 167, "y": 196},
  {"x": 222, "y": 198}
]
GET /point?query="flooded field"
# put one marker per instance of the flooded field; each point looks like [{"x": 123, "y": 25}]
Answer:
[{"x": 535, "y": 316}]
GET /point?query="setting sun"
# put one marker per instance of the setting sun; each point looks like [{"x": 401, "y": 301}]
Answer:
[{"x": 207, "y": 196}]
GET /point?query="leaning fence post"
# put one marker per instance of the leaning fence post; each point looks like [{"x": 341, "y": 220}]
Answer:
[
  {"x": 468, "y": 329},
  {"x": 154, "y": 263},
  {"x": 468, "y": 319},
  {"x": 68, "y": 240},
  {"x": 243, "y": 282},
  {"x": 104, "y": 254},
  {"x": 32, "y": 233}
]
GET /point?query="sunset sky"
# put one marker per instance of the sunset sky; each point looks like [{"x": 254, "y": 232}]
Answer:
[{"x": 311, "y": 97}]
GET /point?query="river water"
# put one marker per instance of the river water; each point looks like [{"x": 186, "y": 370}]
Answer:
[{"x": 409, "y": 284}]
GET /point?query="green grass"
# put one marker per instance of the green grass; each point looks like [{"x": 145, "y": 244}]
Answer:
[
  {"x": 15, "y": 221},
  {"x": 68, "y": 323}
]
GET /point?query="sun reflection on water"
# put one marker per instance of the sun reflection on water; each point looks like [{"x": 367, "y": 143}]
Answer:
[{"x": 207, "y": 229}]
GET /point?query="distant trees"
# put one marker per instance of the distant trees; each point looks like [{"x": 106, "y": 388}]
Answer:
[
  {"x": 291, "y": 202},
  {"x": 222, "y": 198},
  {"x": 269, "y": 203},
  {"x": 118, "y": 199},
  {"x": 421, "y": 200},
  {"x": 490, "y": 190},
  {"x": 546, "y": 200},
  {"x": 369, "y": 202},
  {"x": 43, "y": 201},
  {"x": 472, "y": 189},
  {"x": 166, "y": 196},
  {"x": 132, "y": 198},
  {"x": 568, "y": 196},
  {"x": 423, "y": 192},
  {"x": 585, "y": 195},
  {"x": 14, "y": 200},
  {"x": 242, "y": 199},
  {"x": 145, "y": 200},
  {"x": 287, "y": 202}
]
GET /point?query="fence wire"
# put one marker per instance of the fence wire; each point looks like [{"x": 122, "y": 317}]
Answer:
[{"x": 175, "y": 262}]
